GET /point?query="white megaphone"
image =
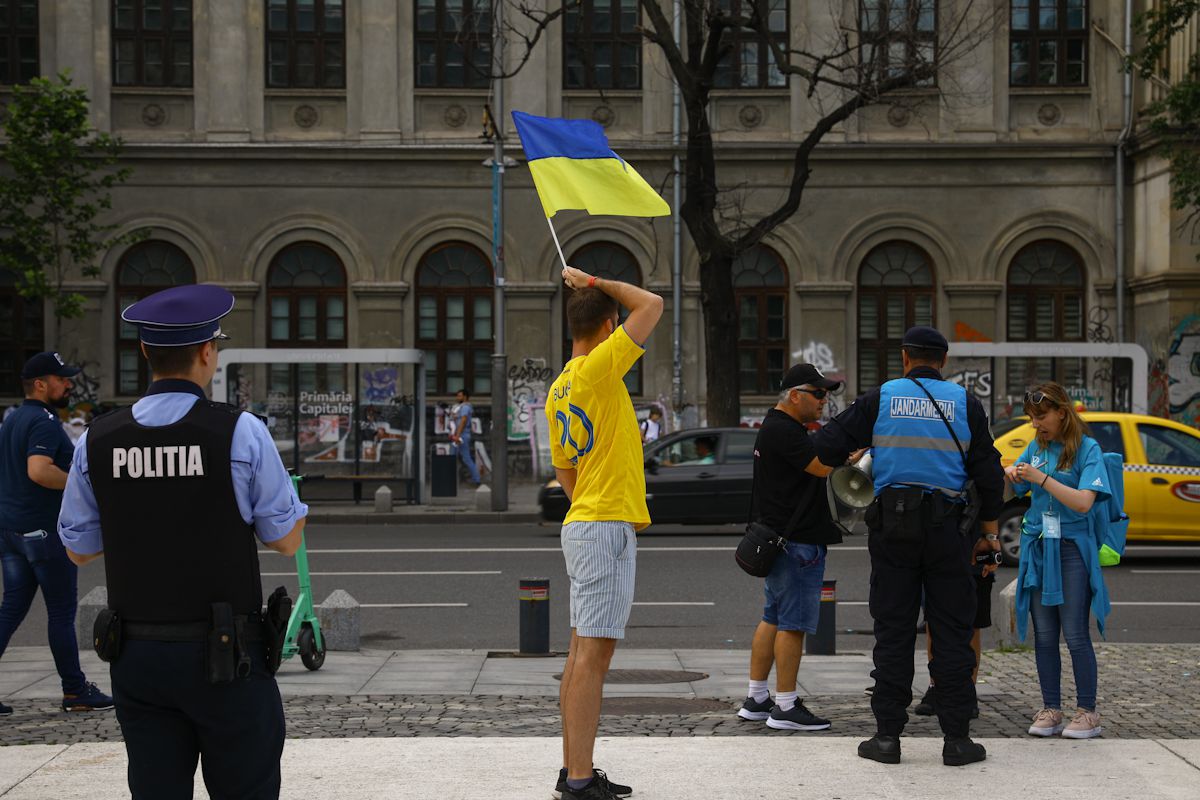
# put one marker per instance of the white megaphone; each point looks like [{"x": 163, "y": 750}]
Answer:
[{"x": 851, "y": 490}]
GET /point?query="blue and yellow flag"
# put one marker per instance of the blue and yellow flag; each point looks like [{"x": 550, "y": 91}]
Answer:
[{"x": 573, "y": 167}]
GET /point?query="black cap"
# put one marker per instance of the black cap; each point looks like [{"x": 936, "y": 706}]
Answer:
[
  {"x": 925, "y": 337},
  {"x": 807, "y": 375},
  {"x": 47, "y": 364}
]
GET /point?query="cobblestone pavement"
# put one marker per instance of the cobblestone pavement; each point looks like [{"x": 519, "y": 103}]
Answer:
[{"x": 1146, "y": 691}]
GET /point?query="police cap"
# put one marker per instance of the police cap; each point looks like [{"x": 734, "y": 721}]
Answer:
[
  {"x": 47, "y": 364},
  {"x": 926, "y": 338},
  {"x": 181, "y": 316}
]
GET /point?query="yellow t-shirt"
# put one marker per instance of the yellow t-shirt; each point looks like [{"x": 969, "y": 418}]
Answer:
[{"x": 594, "y": 430}]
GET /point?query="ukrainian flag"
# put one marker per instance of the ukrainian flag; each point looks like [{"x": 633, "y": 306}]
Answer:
[{"x": 573, "y": 167}]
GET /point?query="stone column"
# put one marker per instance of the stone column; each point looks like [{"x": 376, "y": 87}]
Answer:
[
  {"x": 376, "y": 101},
  {"x": 231, "y": 89}
]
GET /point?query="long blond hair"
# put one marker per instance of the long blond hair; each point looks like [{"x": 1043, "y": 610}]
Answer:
[{"x": 1073, "y": 429}]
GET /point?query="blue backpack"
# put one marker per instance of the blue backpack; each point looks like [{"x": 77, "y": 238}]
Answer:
[{"x": 1108, "y": 519}]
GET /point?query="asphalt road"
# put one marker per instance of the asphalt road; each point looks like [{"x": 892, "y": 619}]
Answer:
[{"x": 456, "y": 587}]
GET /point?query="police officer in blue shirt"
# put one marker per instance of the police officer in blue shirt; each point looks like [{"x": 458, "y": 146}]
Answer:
[
  {"x": 931, "y": 445},
  {"x": 172, "y": 492}
]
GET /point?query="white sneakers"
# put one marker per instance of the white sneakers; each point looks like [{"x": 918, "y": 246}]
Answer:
[{"x": 1049, "y": 722}]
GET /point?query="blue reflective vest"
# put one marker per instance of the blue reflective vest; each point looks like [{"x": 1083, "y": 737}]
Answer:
[{"x": 911, "y": 443}]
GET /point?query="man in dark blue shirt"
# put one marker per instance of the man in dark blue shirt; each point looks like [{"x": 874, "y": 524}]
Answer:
[{"x": 35, "y": 456}]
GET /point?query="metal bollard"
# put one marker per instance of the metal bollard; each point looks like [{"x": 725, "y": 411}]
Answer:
[
  {"x": 535, "y": 616},
  {"x": 824, "y": 641}
]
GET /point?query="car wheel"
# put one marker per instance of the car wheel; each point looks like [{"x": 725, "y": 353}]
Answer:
[{"x": 1009, "y": 526}]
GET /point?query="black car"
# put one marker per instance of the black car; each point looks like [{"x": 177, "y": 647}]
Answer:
[{"x": 698, "y": 476}]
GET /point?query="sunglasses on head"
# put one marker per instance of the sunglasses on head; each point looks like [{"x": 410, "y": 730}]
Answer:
[
  {"x": 1035, "y": 398},
  {"x": 820, "y": 394}
]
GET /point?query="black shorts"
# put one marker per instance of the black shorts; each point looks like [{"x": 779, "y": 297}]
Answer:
[{"x": 983, "y": 600}]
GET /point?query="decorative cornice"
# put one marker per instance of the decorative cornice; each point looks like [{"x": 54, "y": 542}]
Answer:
[
  {"x": 87, "y": 288},
  {"x": 1172, "y": 279},
  {"x": 380, "y": 288},
  {"x": 823, "y": 287},
  {"x": 530, "y": 289},
  {"x": 984, "y": 288},
  {"x": 246, "y": 289}
]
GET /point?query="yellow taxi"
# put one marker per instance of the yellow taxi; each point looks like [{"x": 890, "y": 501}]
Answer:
[{"x": 1162, "y": 475}]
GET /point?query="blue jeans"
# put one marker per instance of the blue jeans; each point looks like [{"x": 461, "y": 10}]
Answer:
[
  {"x": 27, "y": 564},
  {"x": 1071, "y": 618},
  {"x": 793, "y": 588},
  {"x": 468, "y": 458}
]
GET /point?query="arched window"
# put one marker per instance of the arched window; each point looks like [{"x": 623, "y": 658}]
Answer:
[
  {"x": 454, "y": 319},
  {"x": 895, "y": 292},
  {"x": 306, "y": 299},
  {"x": 760, "y": 288},
  {"x": 21, "y": 333},
  {"x": 144, "y": 269},
  {"x": 1045, "y": 304},
  {"x": 605, "y": 260}
]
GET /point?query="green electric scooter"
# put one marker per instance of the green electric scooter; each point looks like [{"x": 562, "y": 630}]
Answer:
[{"x": 304, "y": 630}]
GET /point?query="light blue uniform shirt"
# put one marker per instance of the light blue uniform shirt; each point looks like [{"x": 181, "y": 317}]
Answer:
[{"x": 264, "y": 492}]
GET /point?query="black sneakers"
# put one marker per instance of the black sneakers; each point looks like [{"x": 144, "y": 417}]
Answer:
[
  {"x": 599, "y": 778},
  {"x": 5, "y": 710},
  {"x": 884, "y": 749},
  {"x": 797, "y": 718},
  {"x": 960, "y": 752},
  {"x": 755, "y": 711},
  {"x": 595, "y": 790}
]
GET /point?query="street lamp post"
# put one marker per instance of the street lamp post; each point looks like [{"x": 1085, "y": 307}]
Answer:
[{"x": 499, "y": 357}]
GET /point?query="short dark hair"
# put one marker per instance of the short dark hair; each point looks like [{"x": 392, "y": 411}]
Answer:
[
  {"x": 924, "y": 355},
  {"x": 587, "y": 310},
  {"x": 27, "y": 385},
  {"x": 171, "y": 360},
  {"x": 464, "y": 393}
]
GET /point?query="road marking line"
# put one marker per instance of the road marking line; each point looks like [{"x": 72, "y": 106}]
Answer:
[
  {"x": 1154, "y": 603},
  {"x": 703, "y": 603},
  {"x": 413, "y": 605},
  {"x": 448, "y": 572},
  {"x": 1166, "y": 571},
  {"x": 641, "y": 549}
]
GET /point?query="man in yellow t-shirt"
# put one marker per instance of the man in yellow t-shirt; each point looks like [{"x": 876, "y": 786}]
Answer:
[{"x": 596, "y": 448}]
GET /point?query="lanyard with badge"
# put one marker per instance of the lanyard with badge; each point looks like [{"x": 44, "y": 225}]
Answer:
[{"x": 1051, "y": 525}]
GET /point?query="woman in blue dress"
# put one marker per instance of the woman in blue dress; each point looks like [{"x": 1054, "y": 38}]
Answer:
[{"x": 1059, "y": 581}]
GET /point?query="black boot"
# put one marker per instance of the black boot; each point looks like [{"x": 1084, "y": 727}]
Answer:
[
  {"x": 884, "y": 749},
  {"x": 960, "y": 752},
  {"x": 925, "y": 707}
]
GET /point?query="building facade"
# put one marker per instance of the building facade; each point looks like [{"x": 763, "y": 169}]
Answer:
[{"x": 323, "y": 160}]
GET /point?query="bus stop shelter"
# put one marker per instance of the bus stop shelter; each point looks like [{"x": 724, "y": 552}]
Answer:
[{"x": 354, "y": 415}]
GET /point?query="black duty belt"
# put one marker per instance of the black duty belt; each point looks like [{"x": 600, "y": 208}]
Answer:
[{"x": 185, "y": 631}]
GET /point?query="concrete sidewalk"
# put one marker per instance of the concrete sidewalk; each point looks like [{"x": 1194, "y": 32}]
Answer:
[
  {"x": 458, "y": 510},
  {"x": 658, "y": 769}
]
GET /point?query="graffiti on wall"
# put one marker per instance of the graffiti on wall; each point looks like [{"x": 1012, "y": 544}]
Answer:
[
  {"x": 821, "y": 356},
  {"x": 85, "y": 391},
  {"x": 1183, "y": 371},
  {"x": 527, "y": 385}
]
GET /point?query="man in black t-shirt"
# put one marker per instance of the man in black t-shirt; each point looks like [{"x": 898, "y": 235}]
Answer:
[{"x": 789, "y": 498}]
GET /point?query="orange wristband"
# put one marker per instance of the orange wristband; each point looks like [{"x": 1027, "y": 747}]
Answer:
[{"x": 591, "y": 281}]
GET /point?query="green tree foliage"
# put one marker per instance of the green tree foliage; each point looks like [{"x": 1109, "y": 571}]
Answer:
[
  {"x": 1175, "y": 117},
  {"x": 56, "y": 180}
]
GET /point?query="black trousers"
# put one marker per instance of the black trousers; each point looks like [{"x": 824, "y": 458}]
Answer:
[
  {"x": 171, "y": 716},
  {"x": 936, "y": 563}
]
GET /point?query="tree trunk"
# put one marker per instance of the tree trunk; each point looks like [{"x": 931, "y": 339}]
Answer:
[{"x": 720, "y": 340}]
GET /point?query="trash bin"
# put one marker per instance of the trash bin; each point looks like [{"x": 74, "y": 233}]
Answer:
[{"x": 444, "y": 478}]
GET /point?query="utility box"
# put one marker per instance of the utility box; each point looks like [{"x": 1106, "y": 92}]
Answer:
[{"x": 444, "y": 477}]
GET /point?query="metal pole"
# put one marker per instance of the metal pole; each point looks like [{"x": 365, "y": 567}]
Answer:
[
  {"x": 1127, "y": 127},
  {"x": 499, "y": 358},
  {"x": 676, "y": 245}
]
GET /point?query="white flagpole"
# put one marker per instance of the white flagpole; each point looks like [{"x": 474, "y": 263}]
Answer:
[{"x": 556, "y": 244}]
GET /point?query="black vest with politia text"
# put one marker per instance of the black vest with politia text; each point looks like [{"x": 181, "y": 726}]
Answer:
[{"x": 174, "y": 540}]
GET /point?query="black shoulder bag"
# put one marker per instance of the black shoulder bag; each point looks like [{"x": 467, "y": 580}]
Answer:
[
  {"x": 966, "y": 522},
  {"x": 760, "y": 545}
]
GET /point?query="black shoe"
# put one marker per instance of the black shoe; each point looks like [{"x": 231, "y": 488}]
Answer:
[
  {"x": 960, "y": 752},
  {"x": 925, "y": 707},
  {"x": 797, "y": 718},
  {"x": 755, "y": 711},
  {"x": 618, "y": 789},
  {"x": 5, "y": 710},
  {"x": 596, "y": 789},
  {"x": 884, "y": 749}
]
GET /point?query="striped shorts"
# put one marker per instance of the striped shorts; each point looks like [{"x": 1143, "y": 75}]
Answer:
[{"x": 601, "y": 557}]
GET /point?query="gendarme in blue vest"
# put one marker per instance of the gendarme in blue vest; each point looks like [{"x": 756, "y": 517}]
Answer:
[{"x": 912, "y": 444}]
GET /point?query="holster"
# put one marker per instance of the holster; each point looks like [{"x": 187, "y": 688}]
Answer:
[
  {"x": 275, "y": 624},
  {"x": 106, "y": 635},
  {"x": 970, "y": 515},
  {"x": 221, "y": 653}
]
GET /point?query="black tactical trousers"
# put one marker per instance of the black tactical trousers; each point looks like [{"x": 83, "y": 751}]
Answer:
[
  {"x": 935, "y": 563},
  {"x": 171, "y": 716}
]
